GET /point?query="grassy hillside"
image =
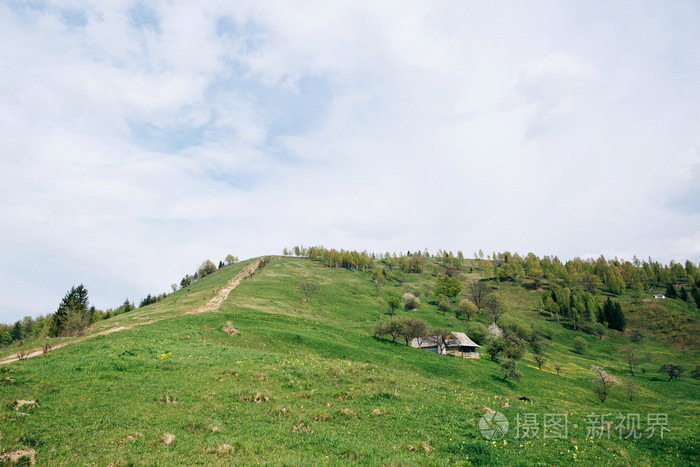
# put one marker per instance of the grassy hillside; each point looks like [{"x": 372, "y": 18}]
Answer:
[{"x": 308, "y": 383}]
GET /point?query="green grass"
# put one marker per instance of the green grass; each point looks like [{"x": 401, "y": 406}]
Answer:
[{"x": 320, "y": 378}]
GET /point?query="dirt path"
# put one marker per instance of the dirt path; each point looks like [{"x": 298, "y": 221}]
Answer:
[{"x": 211, "y": 305}]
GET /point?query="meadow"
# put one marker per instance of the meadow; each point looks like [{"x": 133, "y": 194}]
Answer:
[{"x": 308, "y": 383}]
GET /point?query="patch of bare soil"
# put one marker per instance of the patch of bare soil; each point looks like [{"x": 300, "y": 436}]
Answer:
[
  {"x": 23, "y": 455},
  {"x": 22, "y": 403},
  {"x": 229, "y": 329}
]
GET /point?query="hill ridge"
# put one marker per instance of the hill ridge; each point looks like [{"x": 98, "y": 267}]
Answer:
[{"x": 212, "y": 305}]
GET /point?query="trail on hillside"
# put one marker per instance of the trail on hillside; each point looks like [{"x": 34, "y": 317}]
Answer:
[{"x": 211, "y": 305}]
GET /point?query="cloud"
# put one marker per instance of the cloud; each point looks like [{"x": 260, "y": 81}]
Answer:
[{"x": 139, "y": 139}]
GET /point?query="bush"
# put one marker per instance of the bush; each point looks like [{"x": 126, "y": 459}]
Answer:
[
  {"x": 517, "y": 326},
  {"x": 509, "y": 369},
  {"x": 579, "y": 344},
  {"x": 410, "y": 301},
  {"x": 515, "y": 346},
  {"x": 478, "y": 333},
  {"x": 695, "y": 372}
]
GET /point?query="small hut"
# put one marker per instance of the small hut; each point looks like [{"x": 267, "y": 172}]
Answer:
[{"x": 455, "y": 343}]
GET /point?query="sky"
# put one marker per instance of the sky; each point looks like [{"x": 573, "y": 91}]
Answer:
[{"x": 138, "y": 139}]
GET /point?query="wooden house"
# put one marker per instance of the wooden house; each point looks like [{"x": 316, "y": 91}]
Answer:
[{"x": 455, "y": 343}]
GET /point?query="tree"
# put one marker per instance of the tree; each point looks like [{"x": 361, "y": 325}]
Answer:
[
  {"x": 16, "y": 332},
  {"x": 509, "y": 369},
  {"x": 440, "y": 335},
  {"x": 695, "y": 293},
  {"x": 386, "y": 327},
  {"x": 412, "y": 328},
  {"x": 448, "y": 286},
  {"x": 540, "y": 360},
  {"x": 443, "y": 303},
  {"x": 579, "y": 344},
  {"x": 515, "y": 346},
  {"x": 466, "y": 308},
  {"x": 478, "y": 332},
  {"x": 631, "y": 358},
  {"x": 478, "y": 292},
  {"x": 671, "y": 291},
  {"x": 394, "y": 304},
  {"x": 603, "y": 382},
  {"x": 308, "y": 289},
  {"x": 589, "y": 281},
  {"x": 496, "y": 307},
  {"x": 495, "y": 347},
  {"x": 74, "y": 302},
  {"x": 672, "y": 370},
  {"x": 613, "y": 314},
  {"x": 206, "y": 268},
  {"x": 230, "y": 259}
]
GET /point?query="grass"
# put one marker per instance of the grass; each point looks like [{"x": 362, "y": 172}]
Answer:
[{"x": 306, "y": 383}]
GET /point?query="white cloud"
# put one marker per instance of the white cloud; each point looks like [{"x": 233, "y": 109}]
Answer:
[{"x": 135, "y": 143}]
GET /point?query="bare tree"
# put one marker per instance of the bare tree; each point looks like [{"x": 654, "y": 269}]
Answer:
[
  {"x": 603, "y": 382},
  {"x": 631, "y": 358},
  {"x": 478, "y": 293},
  {"x": 308, "y": 289}
]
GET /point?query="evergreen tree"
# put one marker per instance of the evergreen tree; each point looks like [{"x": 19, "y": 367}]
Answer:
[
  {"x": 683, "y": 294},
  {"x": 75, "y": 301},
  {"x": 671, "y": 291},
  {"x": 16, "y": 332},
  {"x": 613, "y": 315},
  {"x": 695, "y": 293}
]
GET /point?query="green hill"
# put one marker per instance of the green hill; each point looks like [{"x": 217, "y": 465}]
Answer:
[{"x": 308, "y": 383}]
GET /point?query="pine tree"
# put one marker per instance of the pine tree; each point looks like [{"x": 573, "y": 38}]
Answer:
[
  {"x": 75, "y": 301},
  {"x": 613, "y": 315},
  {"x": 16, "y": 332},
  {"x": 695, "y": 293},
  {"x": 671, "y": 291}
]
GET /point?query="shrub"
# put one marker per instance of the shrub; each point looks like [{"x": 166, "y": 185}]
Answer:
[
  {"x": 695, "y": 372},
  {"x": 509, "y": 369},
  {"x": 478, "y": 332},
  {"x": 579, "y": 344},
  {"x": 517, "y": 326},
  {"x": 515, "y": 346},
  {"x": 410, "y": 301}
]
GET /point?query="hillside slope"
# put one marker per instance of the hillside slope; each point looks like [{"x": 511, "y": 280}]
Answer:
[{"x": 308, "y": 383}]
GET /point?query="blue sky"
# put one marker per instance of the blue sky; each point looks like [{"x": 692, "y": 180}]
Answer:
[{"x": 140, "y": 138}]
